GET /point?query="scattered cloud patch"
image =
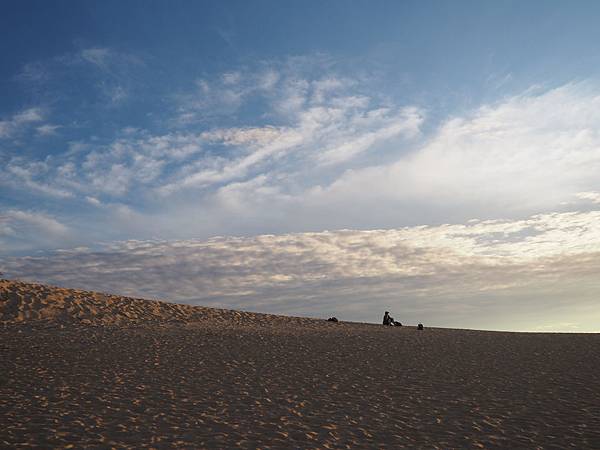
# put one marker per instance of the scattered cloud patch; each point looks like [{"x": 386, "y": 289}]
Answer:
[
  {"x": 129, "y": 162},
  {"x": 99, "y": 57},
  {"x": 19, "y": 122},
  {"x": 93, "y": 200},
  {"x": 593, "y": 197},
  {"x": 33, "y": 176},
  {"x": 47, "y": 129},
  {"x": 33, "y": 72}
]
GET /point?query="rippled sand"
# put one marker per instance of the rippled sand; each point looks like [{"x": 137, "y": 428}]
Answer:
[{"x": 83, "y": 369}]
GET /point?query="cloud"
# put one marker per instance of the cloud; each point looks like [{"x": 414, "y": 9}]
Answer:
[
  {"x": 106, "y": 77},
  {"x": 243, "y": 136},
  {"x": 39, "y": 221},
  {"x": 114, "y": 68},
  {"x": 93, "y": 200},
  {"x": 335, "y": 157},
  {"x": 278, "y": 148},
  {"x": 47, "y": 129},
  {"x": 131, "y": 161},
  {"x": 527, "y": 153},
  {"x": 231, "y": 78},
  {"x": 260, "y": 145},
  {"x": 330, "y": 129},
  {"x": 33, "y": 72},
  {"x": 593, "y": 197},
  {"x": 99, "y": 57},
  {"x": 287, "y": 87},
  {"x": 517, "y": 156},
  {"x": 407, "y": 123},
  {"x": 337, "y": 165},
  {"x": 323, "y": 124},
  {"x": 484, "y": 266},
  {"x": 117, "y": 94},
  {"x": 23, "y": 230},
  {"x": 23, "y": 174},
  {"x": 19, "y": 121}
]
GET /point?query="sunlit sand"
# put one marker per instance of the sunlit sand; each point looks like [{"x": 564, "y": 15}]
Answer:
[{"x": 92, "y": 370}]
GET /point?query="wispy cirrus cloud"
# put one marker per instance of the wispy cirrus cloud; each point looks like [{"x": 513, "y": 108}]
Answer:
[
  {"x": 100, "y": 57},
  {"x": 18, "y": 122},
  {"x": 331, "y": 128},
  {"x": 106, "y": 74},
  {"x": 324, "y": 123}
]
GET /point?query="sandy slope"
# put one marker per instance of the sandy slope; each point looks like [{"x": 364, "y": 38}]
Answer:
[{"x": 93, "y": 370}]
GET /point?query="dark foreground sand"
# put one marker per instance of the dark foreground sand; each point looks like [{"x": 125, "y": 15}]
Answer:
[{"x": 80, "y": 369}]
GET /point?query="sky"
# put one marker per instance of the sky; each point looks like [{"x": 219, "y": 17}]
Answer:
[{"x": 440, "y": 160}]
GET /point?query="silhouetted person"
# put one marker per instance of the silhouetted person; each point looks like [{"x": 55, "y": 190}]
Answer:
[{"x": 386, "y": 318}]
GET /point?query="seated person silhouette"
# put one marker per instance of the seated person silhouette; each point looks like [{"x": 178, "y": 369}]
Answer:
[{"x": 389, "y": 320}]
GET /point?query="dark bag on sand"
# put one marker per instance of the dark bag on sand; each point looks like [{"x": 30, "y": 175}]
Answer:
[
  {"x": 397, "y": 324},
  {"x": 332, "y": 319},
  {"x": 420, "y": 326}
]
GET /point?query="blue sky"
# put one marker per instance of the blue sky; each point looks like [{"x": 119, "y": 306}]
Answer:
[{"x": 439, "y": 159}]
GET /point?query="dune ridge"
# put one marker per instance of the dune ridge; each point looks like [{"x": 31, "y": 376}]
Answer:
[
  {"x": 22, "y": 302},
  {"x": 88, "y": 370}
]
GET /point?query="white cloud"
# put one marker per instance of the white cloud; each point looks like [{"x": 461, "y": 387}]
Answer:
[
  {"x": 28, "y": 115},
  {"x": 231, "y": 78},
  {"x": 19, "y": 121},
  {"x": 323, "y": 124},
  {"x": 111, "y": 71},
  {"x": 23, "y": 174},
  {"x": 33, "y": 72},
  {"x": 528, "y": 153},
  {"x": 99, "y": 57},
  {"x": 261, "y": 145},
  {"x": 131, "y": 161},
  {"x": 39, "y": 221},
  {"x": 268, "y": 79},
  {"x": 357, "y": 273},
  {"x": 243, "y": 136},
  {"x": 407, "y": 123},
  {"x": 117, "y": 94},
  {"x": 93, "y": 200},
  {"x": 23, "y": 230},
  {"x": 321, "y": 154},
  {"x": 593, "y": 197},
  {"x": 47, "y": 129}
]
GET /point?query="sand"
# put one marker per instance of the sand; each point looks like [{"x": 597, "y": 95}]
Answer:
[{"x": 87, "y": 370}]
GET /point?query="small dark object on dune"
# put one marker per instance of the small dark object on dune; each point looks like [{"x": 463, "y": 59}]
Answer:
[
  {"x": 420, "y": 326},
  {"x": 397, "y": 324},
  {"x": 332, "y": 319}
]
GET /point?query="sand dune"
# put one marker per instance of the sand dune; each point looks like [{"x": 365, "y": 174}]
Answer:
[
  {"x": 84, "y": 369},
  {"x": 36, "y": 303}
]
